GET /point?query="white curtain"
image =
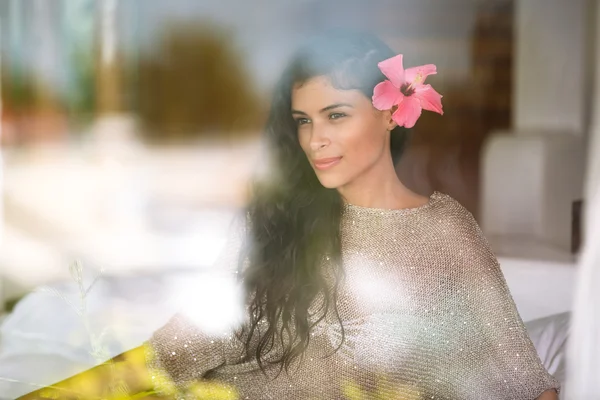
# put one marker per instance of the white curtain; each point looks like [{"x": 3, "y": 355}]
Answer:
[{"x": 583, "y": 369}]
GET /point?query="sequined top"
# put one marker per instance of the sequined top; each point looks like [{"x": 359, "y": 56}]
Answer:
[{"x": 426, "y": 314}]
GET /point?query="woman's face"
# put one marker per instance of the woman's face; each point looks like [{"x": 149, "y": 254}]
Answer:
[{"x": 340, "y": 131}]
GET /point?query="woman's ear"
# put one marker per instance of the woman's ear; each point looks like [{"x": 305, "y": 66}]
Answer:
[{"x": 390, "y": 123}]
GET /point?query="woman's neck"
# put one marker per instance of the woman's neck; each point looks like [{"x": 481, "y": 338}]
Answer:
[{"x": 379, "y": 187}]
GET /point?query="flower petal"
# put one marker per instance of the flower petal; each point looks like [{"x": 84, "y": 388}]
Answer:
[
  {"x": 408, "y": 112},
  {"x": 386, "y": 95},
  {"x": 417, "y": 75},
  {"x": 392, "y": 68},
  {"x": 430, "y": 99}
]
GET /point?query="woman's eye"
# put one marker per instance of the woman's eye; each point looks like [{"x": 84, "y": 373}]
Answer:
[
  {"x": 302, "y": 121},
  {"x": 336, "y": 115}
]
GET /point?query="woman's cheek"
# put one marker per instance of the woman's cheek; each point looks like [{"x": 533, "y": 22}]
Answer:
[{"x": 303, "y": 138}]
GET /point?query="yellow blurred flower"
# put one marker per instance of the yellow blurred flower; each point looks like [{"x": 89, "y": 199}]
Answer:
[
  {"x": 383, "y": 391},
  {"x": 213, "y": 391}
]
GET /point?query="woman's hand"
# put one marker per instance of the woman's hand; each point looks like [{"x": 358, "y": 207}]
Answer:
[{"x": 548, "y": 395}]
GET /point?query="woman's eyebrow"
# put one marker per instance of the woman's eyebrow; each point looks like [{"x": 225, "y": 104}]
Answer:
[
  {"x": 330, "y": 107},
  {"x": 336, "y": 105}
]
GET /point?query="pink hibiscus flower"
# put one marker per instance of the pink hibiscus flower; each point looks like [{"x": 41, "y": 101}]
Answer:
[{"x": 406, "y": 89}]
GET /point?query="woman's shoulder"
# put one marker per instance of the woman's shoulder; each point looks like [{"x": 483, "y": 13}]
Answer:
[
  {"x": 447, "y": 210},
  {"x": 454, "y": 232},
  {"x": 449, "y": 220}
]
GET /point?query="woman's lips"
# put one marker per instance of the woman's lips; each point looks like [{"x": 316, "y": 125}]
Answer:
[{"x": 326, "y": 163}]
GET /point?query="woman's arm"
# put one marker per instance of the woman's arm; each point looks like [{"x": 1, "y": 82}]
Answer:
[
  {"x": 123, "y": 376},
  {"x": 493, "y": 332}
]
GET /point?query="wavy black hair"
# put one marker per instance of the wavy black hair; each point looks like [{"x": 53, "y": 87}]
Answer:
[{"x": 294, "y": 221}]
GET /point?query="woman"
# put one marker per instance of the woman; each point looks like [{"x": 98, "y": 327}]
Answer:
[{"x": 357, "y": 287}]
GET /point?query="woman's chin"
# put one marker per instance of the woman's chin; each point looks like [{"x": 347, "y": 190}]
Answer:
[{"x": 330, "y": 182}]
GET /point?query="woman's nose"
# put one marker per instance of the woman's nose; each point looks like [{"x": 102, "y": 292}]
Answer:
[{"x": 319, "y": 139}]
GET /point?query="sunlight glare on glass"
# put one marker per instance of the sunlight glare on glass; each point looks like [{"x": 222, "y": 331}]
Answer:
[{"x": 214, "y": 302}]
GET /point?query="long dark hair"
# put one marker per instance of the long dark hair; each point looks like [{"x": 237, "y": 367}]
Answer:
[{"x": 294, "y": 221}]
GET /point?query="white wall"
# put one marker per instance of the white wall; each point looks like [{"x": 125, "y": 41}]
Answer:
[
  {"x": 550, "y": 67},
  {"x": 592, "y": 183},
  {"x": 532, "y": 173}
]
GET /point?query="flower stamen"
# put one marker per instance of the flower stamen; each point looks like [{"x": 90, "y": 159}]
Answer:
[{"x": 407, "y": 89}]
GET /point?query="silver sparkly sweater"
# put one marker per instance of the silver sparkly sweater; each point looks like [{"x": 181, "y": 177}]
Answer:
[{"x": 426, "y": 314}]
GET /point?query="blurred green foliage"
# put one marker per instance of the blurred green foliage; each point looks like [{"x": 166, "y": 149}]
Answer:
[{"x": 197, "y": 85}]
